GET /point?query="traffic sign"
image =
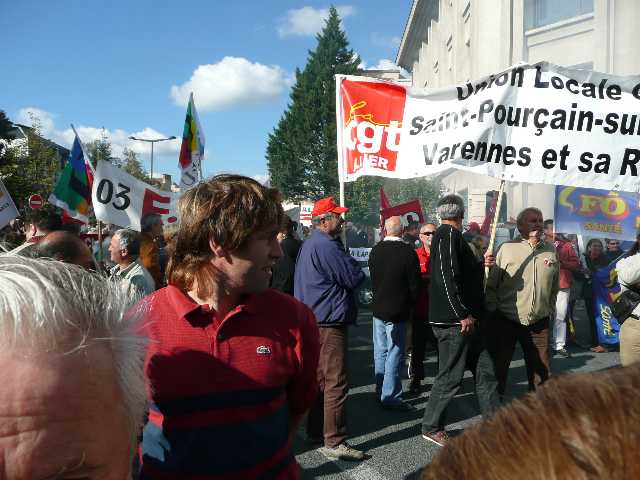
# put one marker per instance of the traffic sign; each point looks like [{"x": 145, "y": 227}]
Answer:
[{"x": 36, "y": 202}]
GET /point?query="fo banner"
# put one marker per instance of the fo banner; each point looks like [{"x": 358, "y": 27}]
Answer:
[
  {"x": 121, "y": 199},
  {"x": 605, "y": 290},
  {"x": 594, "y": 213},
  {"x": 536, "y": 123}
]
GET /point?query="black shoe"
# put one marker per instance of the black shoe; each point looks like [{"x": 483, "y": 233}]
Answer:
[{"x": 562, "y": 353}]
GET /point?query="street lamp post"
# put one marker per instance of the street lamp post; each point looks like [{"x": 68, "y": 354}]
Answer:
[{"x": 151, "y": 141}]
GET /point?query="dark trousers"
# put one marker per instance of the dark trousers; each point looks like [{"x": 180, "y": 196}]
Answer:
[
  {"x": 534, "y": 341},
  {"x": 458, "y": 352},
  {"x": 328, "y": 415},
  {"x": 421, "y": 334},
  {"x": 591, "y": 314}
]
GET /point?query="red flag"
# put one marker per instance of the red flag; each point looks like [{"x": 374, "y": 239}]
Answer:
[
  {"x": 490, "y": 213},
  {"x": 384, "y": 201},
  {"x": 409, "y": 209},
  {"x": 412, "y": 208}
]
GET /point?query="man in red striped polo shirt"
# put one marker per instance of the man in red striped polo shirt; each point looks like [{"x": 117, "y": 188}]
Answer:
[{"x": 231, "y": 365}]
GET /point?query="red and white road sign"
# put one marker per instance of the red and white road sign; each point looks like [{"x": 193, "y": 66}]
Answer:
[{"x": 36, "y": 202}]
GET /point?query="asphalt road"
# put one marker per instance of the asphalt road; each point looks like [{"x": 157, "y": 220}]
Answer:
[{"x": 392, "y": 440}]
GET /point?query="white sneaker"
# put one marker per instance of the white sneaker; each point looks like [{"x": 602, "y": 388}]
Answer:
[{"x": 344, "y": 451}]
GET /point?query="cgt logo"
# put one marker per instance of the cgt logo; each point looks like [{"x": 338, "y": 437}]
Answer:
[{"x": 372, "y": 122}]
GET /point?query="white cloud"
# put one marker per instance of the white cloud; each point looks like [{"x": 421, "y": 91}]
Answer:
[
  {"x": 231, "y": 81},
  {"x": 382, "y": 40},
  {"x": 262, "y": 179},
  {"x": 307, "y": 21},
  {"x": 118, "y": 138},
  {"x": 385, "y": 64},
  {"x": 27, "y": 115}
]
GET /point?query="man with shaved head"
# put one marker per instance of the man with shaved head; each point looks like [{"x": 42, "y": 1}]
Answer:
[
  {"x": 66, "y": 247},
  {"x": 395, "y": 278}
]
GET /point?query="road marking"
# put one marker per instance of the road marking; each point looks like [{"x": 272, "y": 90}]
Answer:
[{"x": 361, "y": 472}]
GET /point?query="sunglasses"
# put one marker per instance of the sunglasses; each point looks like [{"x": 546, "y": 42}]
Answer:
[{"x": 426, "y": 233}]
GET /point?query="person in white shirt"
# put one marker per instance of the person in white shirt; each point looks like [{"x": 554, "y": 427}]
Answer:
[{"x": 124, "y": 250}]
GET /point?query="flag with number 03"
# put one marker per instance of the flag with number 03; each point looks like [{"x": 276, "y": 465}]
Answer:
[{"x": 121, "y": 199}]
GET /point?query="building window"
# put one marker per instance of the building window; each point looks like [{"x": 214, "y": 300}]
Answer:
[{"x": 539, "y": 13}]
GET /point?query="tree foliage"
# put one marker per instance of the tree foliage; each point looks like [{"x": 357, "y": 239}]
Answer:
[
  {"x": 31, "y": 167},
  {"x": 301, "y": 152},
  {"x": 100, "y": 149},
  {"x": 132, "y": 165},
  {"x": 424, "y": 189}
]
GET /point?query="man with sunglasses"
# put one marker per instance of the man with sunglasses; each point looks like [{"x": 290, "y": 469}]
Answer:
[
  {"x": 420, "y": 329},
  {"x": 325, "y": 280}
]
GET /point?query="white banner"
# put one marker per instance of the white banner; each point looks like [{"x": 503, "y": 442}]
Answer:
[
  {"x": 123, "y": 200},
  {"x": 8, "y": 210},
  {"x": 360, "y": 254},
  {"x": 532, "y": 123}
]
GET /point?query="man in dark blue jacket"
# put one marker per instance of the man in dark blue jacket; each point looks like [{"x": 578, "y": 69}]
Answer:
[{"x": 325, "y": 279}]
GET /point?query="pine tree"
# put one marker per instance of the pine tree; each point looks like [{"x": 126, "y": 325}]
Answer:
[{"x": 301, "y": 153}]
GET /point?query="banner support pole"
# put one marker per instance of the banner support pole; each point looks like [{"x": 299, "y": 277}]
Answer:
[
  {"x": 494, "y": 225},
  {"x": 99, "y": 227},
  {"x": 343, "y": 234}
]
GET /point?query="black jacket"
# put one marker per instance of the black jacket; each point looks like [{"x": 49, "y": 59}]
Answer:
[
  {"x": 395, "y": 280},
  {"x": 285, "y": 268},
  {"x": 457, "y": 276}
]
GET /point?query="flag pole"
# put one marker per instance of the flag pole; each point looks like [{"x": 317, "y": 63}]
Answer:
[
  {"x": 494, "y": 224},
  {"x": 99, "y": 226}
]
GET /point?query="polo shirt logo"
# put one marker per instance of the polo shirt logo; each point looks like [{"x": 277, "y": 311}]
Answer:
[{"x": 263, "y": 350}]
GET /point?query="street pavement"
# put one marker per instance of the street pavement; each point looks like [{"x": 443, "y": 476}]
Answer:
[{"x": 392, "y": 440}]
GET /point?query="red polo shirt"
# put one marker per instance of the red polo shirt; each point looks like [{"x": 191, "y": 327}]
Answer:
[{"x": 221, "y": 390}]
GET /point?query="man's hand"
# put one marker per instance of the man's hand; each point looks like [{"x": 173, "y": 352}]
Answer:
[
  {"x": 489, "y": 259},
  {"x": 467, "y": 325}
]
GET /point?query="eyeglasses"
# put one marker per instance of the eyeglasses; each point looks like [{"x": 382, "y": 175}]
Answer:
[{"x": 426, "y": 233}]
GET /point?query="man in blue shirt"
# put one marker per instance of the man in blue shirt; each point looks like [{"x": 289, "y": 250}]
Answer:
[{"x": 325, "y": 279}]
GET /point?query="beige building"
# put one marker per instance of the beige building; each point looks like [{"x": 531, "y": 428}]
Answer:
[{"x": 447, "y": 42}]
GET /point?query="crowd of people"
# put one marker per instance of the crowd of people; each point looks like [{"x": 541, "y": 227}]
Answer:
[{"x": 202, "y": 355}]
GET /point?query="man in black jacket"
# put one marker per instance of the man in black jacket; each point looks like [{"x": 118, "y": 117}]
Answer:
[
  {"x": 456, "y": 298},
  {"x": 283, "y": 271},
  {"x": 395, "y": 279}
]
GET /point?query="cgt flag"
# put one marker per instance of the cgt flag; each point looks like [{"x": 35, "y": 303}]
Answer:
[
  {"x": 192, "y": 149},
  {"x": 73, "y": 190}
]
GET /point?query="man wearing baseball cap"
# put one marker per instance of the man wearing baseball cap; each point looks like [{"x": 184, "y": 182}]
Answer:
[{"x": 325, "y": 279}]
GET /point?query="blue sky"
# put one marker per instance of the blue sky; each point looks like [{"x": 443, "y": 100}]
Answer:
[{"x": 128, "y": 66}]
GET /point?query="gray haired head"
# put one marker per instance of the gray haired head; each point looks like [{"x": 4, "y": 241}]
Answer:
[
  {"x": 450, "y": 207},
  {"x": 57, "y": 308},
  {"x": 130, "y": 240},
  {"x": 523, "y": 213}
]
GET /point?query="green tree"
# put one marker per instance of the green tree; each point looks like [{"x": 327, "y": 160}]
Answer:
[
  {"x": 100, "y": 149},
  {"x": 301, "y": 152},
  {"x": 132, "y": 165},
  {"x": 427, "y": 190},
  {"x": 30, "y": 168}
]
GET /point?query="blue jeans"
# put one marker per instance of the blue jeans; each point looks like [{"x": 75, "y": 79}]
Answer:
[{"x": 388, "y": 351}]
